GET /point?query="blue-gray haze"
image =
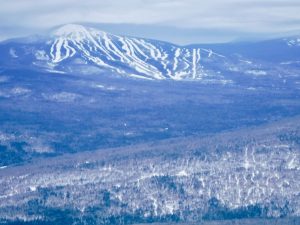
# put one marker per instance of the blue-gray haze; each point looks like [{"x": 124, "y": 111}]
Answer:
[{"x": 191, "y": 21}]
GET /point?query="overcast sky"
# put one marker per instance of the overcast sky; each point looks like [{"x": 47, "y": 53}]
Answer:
[{"x": 203, "y": 20}]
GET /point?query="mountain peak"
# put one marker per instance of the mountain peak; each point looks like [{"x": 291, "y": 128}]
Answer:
[
  {"x": 70, "y": 29},
  {"x": 77, "y": 32}
]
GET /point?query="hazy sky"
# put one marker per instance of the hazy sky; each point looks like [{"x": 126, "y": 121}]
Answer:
[{"x": 209, "y": 20}]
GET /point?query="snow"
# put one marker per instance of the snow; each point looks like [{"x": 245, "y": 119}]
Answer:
[
  {"x": 138, "y": 58},
  {"x": 293, "y": 42},
  {"x": 256, "y": 72},
  {"x": 290, "y": 62},
  {"x": 246, "y": 163},
  {"x": 41, "y": 55},
  {"x": 194, "y": 63},
  {"x": 20, "y": 91},
  {"x": 113, "y": 48},
  {"x": 74, "y": 31},
  {"x": 246, "y": 61},
  {"x": 139, "y": 50},
  {"x": 292, "y": 163},
  {"x": 140, "y": 77},
  {"x": 198, "y": 55},
  {"x": 211, "y": 53},
  {"x": 150, "y": 48},
  {"x": 57, "y": 55},
  {"x": 55, "y": 71},
  {"x": 182, "y": 173},
  {"x": 139, "y": 64},
  {"x": 32, "y": 188},
  {"x": 177, "y": 54},
  {"x": 64, "y": 97},
  {"x": 13, "y": 53}
]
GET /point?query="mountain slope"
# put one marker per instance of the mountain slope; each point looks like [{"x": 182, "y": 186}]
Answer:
[
  {"x": 73, "y": 48},
  {"x": 139, "y": 57},
  {"x": 77, "y": 49}
]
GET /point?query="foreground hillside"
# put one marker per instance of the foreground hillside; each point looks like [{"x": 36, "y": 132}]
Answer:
[
  {"x": 291, "y": 221},
  {"x": 251, "y": 173}
]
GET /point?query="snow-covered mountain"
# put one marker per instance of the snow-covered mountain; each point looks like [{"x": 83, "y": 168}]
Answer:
[
  {"x": 77, "y": 49},
  {"x": 71, "y": 46},
  {"x": 135, "y": 57}
]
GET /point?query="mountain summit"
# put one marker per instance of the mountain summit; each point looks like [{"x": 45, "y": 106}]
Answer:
[{"x": 135, "y": 57}]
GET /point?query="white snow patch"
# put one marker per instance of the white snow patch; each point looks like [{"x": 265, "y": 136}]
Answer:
[
  {"x": 32, "y": 188},
  {"x": 74, "y": 30},
  {"x": 55, "y": 71},
  {"x": 292, "y": 163},
  {"x": 256, "y": 72},
  {"x": 66, "y": 97},
  {"x": 246, "y": 61},
  {"x": 41, "y": 55},
  {"x": 290, "y": 62},
  {"x": 13, "y": 53},
  {"x": 171, "y": 206},
  {"x": 233, "y": 69},
  {"x": 294, "y": 42},
  {"x": 140, "y": 77},
  {"x": 211, "y": 53},
  {"x": 182, "y": 173},
  {"x": 20, "y": 91},
  {"x": 194, "y": 63},
  {"x": 177, "y": 54}
]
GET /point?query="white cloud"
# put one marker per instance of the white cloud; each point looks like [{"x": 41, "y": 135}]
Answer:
[{"x": 254, "y": 16}]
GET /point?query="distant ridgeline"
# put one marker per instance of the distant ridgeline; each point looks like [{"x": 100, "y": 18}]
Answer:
[{"x": 77, "y": 49}]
